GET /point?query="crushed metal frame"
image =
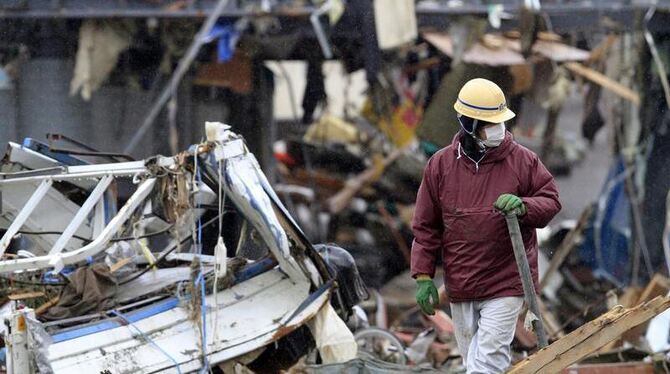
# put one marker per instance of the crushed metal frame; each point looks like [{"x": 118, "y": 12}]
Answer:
[{"x": 262, "y": 307}]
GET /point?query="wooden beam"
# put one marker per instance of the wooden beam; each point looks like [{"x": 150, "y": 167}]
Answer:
[
  {"x": 589, "y": 337},
  {"x": 600, "y": 52},
  {"x": 628, "y": 299},
  {"x": 604, "y": 81},
  {"x": 352, "y": 186},
  {"x": 658, "y": 286},
  {"x": 612, "y": 368},
  {"x": 552, "y": 325},
  {"x": 569, "y": 242},
  {"x": 26, "y": 295},
  {"x": 44, "y": 307}
]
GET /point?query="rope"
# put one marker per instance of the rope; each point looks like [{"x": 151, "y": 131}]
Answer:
[
  {"x": 217, "y": 255},
  {"x": 147, "y": 338},
  {"x": 203, "y": 315}
]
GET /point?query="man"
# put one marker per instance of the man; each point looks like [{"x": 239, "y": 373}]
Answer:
[{"x": 466, "y": 188}]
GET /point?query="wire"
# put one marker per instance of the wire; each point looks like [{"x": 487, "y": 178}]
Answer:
[
  {"x": 217, "y": 250},
  {"x": 160, "y": 259},
  {"x": 203, "y": 315},
  {"x": 147, "y": 338},
  {"x": 201, "y": 278},
  {"x": 88, "y": 240},
  {"x": 143, "y": 236},
  {"x": 33, "y": 283},
  {"x": 198, "y": 175},
  {"x": 24, "y": 232},
  {"x": 194, "y": 228}
]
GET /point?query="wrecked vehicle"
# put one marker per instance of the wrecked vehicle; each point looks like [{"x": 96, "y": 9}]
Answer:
[{"x": 200, "y": 265}]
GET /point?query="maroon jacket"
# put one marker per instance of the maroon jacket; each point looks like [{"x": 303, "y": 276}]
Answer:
[{"x": 455, "y": 216}]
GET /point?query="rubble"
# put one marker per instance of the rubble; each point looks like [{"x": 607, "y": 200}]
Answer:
[
  {"x": 208, "y": 258},
  {"x": 169, "y": 299},
  {"x": 588, "y": 338}
]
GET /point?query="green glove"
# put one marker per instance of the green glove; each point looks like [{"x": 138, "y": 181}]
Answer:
[
  {"x": 424, "y": 292},
  {"x": 507, "y": 203}
]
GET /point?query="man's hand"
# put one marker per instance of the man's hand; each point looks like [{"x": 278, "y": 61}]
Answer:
[
  {"x": 426, "y": 294},
  {"x": 508, "y": 203}
]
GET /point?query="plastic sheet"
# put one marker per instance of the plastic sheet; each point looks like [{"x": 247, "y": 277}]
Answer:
[
  {"x": 333, "y": 339},
  {"x": 39, "y": 341}
]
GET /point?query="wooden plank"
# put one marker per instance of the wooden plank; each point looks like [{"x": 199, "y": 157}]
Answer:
[
  {"x": 604, "y": 81},
  {"x": 600, "y": 52},
  {"x": 547, "y": 354},
  {"x": 658, "y": 286},
  {"x": 44, "y": 307},
  {"x": 118, "y": 265},
  {"x": 567, "y": 245},
  {"x": 341, "y": 200},
  {"x": 589, "y": 337},
  {"x": 631, "y": 297},
  {"x": 25, "y": 295},
  {"x": 602, "y": 337},
  {"x": 616, "y": 368},
  {"x": 551, "y": 324},
  {"x": 628, "y": 299}
]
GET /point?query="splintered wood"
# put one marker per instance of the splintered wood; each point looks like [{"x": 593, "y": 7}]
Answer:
[
  {"x": 602, "y": 80},
  {"x": 590, "y": 337},
  {"x": 658, "y": 286}
]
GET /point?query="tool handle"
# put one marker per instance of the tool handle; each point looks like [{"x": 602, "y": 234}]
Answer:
[{"x": 524, "y": 272}]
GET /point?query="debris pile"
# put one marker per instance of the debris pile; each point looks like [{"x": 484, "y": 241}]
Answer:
[
  {"x": 192, "y": 255},
  {"x": 208, "y": 258},
  {"x": 347, "y": 178}
]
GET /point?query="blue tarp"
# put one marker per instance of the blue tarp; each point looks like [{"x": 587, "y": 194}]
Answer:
[
  {"x": 607, "y": 238},
  {"x": 227, "y": 35}
]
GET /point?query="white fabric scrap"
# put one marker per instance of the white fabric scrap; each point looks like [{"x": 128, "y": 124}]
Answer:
[
  {"x": 396, "y": 22},
  {"x": 333, "y": 339},
  {"x": 100, "y": 44},
  {"x": 528, "y": 321}
]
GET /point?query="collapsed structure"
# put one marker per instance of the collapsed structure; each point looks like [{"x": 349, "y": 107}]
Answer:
[{"x": 200, "y": 264}]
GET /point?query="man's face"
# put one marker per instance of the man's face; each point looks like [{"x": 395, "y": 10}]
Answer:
[{"x": 481, "y": 134}]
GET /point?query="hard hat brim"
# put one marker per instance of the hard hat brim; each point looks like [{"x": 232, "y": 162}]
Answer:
[{"x": 503, "y": 116}]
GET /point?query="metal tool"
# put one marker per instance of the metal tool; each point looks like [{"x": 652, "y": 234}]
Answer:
[{"x": 526, "y": 278}]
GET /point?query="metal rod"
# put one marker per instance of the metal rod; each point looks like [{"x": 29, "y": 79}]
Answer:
[
  {"x": 81, "y": 215},
  {"x": 25, "y": 212},
  {"x": 128, "y": 169},
  {"x": 182, "y": 68},
  {"x": 318, "y": 29},
  {"x": 96, "y": 246},
  {"x": 75, "y": 176},
  {"x": 526, "y": 278}
]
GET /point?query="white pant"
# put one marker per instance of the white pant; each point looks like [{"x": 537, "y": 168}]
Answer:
[{"x": 484, "y": 332}]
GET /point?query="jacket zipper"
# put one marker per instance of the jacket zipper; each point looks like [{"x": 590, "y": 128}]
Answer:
[
  {"x": 476, "y": 162},
  {"x": 466, "y": 155}
]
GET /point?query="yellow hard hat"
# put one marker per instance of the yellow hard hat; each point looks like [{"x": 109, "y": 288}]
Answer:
[{"x": 483, "y": 100}]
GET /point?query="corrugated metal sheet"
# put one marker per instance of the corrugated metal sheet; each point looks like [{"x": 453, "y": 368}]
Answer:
[
  {"x": 477, "y": 54},
  {"x": 40, "y": 103},
  {"x": 496, "y": 50}
]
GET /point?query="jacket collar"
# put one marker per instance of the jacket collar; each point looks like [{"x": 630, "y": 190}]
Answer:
[{"x": 492, "y": 154}]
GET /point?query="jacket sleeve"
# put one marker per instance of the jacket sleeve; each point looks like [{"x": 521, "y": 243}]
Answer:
[
  {"x": 427, "y": 225},
  {"x": 541, "y": 201}
]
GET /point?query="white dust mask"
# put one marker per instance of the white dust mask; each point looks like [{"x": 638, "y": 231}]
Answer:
[{"x": 494, "y": 135}]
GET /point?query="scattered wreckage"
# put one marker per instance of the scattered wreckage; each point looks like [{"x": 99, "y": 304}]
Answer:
[{"x": 199, "y": 265}]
